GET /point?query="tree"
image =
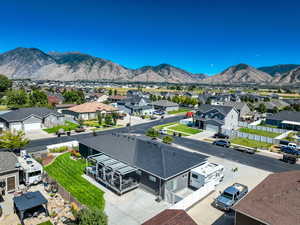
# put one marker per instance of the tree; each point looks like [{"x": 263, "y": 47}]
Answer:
[
  {"x": 5, "y": 83},
  {"x": 167, "y": 140},
  {"x": 114, "y": 118},
  {"x": 74, "y": 96},
  {"x": 275, "y": 110},
  {"x": 115, "y": 92},
  {"x": 17, "y": 97},
  {"x": 110, "y": 92},
  {"x": 208, "y": 101},
  {"x": 13, "y": 140},
  {"x": 262, "y": 108},
  {"x": 87, "y": 216},
  {"x": 108, "y": 119},
  {"x": 152, "y": 133},
  {"x": 100, "y": 118},
  {"x": 38, "y": 98}
]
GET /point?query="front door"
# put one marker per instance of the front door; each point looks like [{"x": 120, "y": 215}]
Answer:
[{"x": 11, "y": 184}]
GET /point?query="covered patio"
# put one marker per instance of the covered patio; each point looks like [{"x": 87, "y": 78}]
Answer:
[
  {"x": 30, "y": 204},
  {"x": 112, "y": 173}
]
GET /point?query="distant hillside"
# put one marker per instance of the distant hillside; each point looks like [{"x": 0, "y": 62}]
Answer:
[
  {"x": 278, "y": 69},
  {"x": 241, "y": 73},
  {"x": 291, "y": 77},
  {"x": 35, "y": 64}
]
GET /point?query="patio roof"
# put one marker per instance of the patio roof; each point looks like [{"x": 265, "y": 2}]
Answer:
[
  {"x": 29, "y": 200},
  {"x": 109, "y": 162},
  {"x": 126, "y": 170}
]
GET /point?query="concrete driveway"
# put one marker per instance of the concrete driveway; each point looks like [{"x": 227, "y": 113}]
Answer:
[
  {"x": 132, "y": 208},
  {"x": 205, "y": 214},
  {"x": 38, "y": 134}
]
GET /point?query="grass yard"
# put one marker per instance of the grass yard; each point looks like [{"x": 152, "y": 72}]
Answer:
[
  {"x": 160, "y": 127},
  {"x": 250, "y": 143},
  {"x": 68, "y": 126},
  {"x": 91, "y": 123},
  {"x": 67, "y": 172},
  {"x": 267, "y": 125},
  {"x": 179, "y": 111},
  {"x": 259, "y": 132},
  {"x": 46, "y": 223},
  {"x": 185, "y": 129}
]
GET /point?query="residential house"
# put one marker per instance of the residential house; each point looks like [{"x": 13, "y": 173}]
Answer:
[
  {"x": 54, "y": 100},
  {"x": 9, "y": 172},
  {"x": 28, "y": 119},
  {"x": 134, "y": 161},
  {"x": 136, "y": 105},
  {"x": 275, "y": 201},
  {"x": 165, "y": 105},
  {"x": 285, "y": 119},
  {"x": 242, "y": 108},
  {"x": 216, "y": 117},
  {"x": 88, "y": 110},
  {"x": 116, "y": 98},
  {"x": 96, "y": 97},
  {"x": 171, "y": 217},
  {"x": 60, "y": 107},
  {"x": 190, "y": 94}
]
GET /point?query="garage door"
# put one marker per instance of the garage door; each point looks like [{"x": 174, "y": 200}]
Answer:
[
  {"x": 16, "y": 126},
  {"x": 32, "y": 126},
  {"x": 11, "y": 184},
  {"x": 212, "y": 128}
]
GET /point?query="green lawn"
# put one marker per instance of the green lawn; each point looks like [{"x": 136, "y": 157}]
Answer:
[
  {"x": 267, "y": 125},
  {"x": 46, "y": 223},
  {"x": 68, "y": 126},
  {"x": 160, "y": 127},
  {"x": 91, "y": 123},
  {"x": 178, "y": 111},
  {"x": 67, "y": 172},
  {"x": 259, "y": 132},
  {"x": 185, "y": 129},
  {"x": 250, "y": 143}
]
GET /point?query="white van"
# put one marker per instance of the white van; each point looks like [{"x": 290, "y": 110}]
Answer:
[{"x": 206, "y": 173}]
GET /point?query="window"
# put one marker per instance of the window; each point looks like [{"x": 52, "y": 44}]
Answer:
[
  {"x": 36, "y": 173},
  {"x": 194, "y": 176},
  {"x": 152, "y": 178}
]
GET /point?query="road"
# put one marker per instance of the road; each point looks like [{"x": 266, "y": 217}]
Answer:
[{"x": 257, "y": 161}]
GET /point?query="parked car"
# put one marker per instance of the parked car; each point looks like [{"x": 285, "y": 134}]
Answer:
[
  {"x": 223, "y": 143},
  {"x": 163, "y": 131},
  {"x": 288, "y": 158},
  {"x": 79, "y": 129},
  {"x": 160, "y": 113},
  {"x": 284, "y": 143},
  {"x": 290, "y": 150},
  {"x": 153, "y": 117},
  {"x": 243, "y": 149},
  {"x": 230, "y": 196},
  {"x": 61, "y": 131},
  {"x": 220, "y": 135}
]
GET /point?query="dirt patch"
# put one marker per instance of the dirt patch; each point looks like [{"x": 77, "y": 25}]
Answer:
[{"x": 47, "y": 160}]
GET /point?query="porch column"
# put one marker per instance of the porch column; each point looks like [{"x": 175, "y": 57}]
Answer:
[{"x": 120, "y": 178}]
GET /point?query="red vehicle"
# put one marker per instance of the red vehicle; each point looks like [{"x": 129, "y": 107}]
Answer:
[{"x": 189, "y": 114}]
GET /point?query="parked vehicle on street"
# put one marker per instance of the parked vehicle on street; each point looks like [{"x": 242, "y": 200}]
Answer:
[
  {"x": 223, "y": 143},
  {"x": 290, "y": 150},
  {"x": 288, "y": 158},
  {"x": 206, "y": 173},
  {"x": 153, "y": 117},
  {"x": 244, "y": 149},
  {"x": 284, "y": 143},
  {"x": 79, "y": 129},
  {"x": 220, "y": 135},
  {"x": 163, "y": 131},
  {"x": 160, "y": 113},
  {"x": 230, "y": 196}
]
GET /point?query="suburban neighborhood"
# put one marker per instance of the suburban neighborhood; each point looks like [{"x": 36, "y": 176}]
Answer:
[{"x": 149, "y": 112}]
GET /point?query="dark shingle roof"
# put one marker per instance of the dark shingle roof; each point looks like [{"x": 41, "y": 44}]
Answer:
[
  {"x": 171, "y": 217},
  {"x": 23, "y": 113},
  {"x": 8, "y": 161},
  {"x": 222, "y": 109},
  {"x": 275, "y": 200},
  {"x": 29, "y": 200},
  {"x": 164, "y": 103},
  {"x": 157, "y": 158},
  {"x": 286, "y": 115}
]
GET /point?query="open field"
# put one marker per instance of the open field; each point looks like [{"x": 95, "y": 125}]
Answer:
[
  {"x": 68, "y": 126},
  {"x": 250, "y": 143},
  {"x": 68, "y": 173},
  {"x": 259, "y": 132}
]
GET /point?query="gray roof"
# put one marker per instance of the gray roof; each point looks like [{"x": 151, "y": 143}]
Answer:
[
  {"x": 24, "y": 113},
  {"x": 8, "y": 161},
  {"x": 286, "y": 115},
  {"x": 222, "y": 109},
  {"x": 138, "y": 107},
  {"x": 161, "y": 160},
  {"x": 236, "y": 105},
  {"x": 164, "y": 103}
]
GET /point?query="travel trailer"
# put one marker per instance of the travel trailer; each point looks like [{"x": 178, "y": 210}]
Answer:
[
  {"x": 30, "y": 170},
  {"x": 206, "y": 173}
]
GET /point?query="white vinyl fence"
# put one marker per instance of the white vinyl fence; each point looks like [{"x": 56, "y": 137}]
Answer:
[
  {"x": 67, "y": 144},
  {"x": 269, "y": 129},
  {"x": 235, "y": 133}
]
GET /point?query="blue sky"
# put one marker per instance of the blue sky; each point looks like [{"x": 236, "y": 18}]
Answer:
[{"x": 198, "y": 36}]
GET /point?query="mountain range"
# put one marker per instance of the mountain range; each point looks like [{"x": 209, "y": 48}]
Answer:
[{"x": 22, "y": 63}]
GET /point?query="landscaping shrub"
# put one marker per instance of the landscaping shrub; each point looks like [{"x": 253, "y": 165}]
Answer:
[
  {"x": 59, "y": 149},
  {"x": 167, "y": 140}
]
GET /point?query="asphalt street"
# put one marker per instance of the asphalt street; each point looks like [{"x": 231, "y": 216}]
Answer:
[{"x": 256, "y": 160}]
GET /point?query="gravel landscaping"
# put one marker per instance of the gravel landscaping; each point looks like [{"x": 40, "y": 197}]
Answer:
[{"x": 259, "y": 132}]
